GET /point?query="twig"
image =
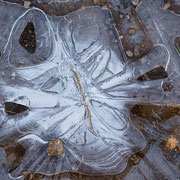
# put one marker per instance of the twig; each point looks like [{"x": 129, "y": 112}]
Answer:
[{"x": 85, "y": 104}]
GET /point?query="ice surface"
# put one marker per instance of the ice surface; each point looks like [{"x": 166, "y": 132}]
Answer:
[{"x": 44, "y": 82}]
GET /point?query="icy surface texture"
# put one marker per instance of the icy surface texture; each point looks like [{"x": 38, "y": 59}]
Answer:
[
  {"x": 78, "y": 42},
  {"x": 83, "y": 42},
  {"x": 57, "y": 1}
]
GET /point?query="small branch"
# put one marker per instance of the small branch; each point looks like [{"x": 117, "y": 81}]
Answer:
[{"x": 85, "y": 104}]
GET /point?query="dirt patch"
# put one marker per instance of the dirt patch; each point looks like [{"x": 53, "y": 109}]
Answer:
[
  {"x": 14, "y": 154},
  {"x": 28, "y": 38},
  {"x": 150, "y": 111},
  {"x": 130, "y": 28},
  {"x": 154, "y": 74}
]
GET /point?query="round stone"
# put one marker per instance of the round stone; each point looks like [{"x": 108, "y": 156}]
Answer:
[
  {"x": 55, "y": 147},
  {"x": 129, "y": 53},
  {"x": 121, "y": 16},
  {"x": 131, "y": 31}
]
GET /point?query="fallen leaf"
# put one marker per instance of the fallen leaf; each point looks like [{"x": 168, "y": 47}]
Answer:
[{"x": 129, "y": 53}]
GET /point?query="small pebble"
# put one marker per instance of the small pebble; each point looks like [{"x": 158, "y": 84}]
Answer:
[
  {"x": 172, "y": 142},
  {"x": 129, "y": 53},
  {"x": 55, "y": 147},
  {"x": 134, "y": 27},
  {"x": 27, "y": 4},
  {"x": 121, "y": 16},
  {"x": 121, "y": 37}
]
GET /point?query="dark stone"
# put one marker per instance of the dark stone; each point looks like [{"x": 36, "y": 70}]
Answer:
[{"x": 14, "y": 108}]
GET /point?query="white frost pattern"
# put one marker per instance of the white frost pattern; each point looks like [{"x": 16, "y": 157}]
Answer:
[{"x": 56, "y": 106}]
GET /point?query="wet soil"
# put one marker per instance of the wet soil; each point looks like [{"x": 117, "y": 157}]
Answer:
[
  {"x": 28, "y": 38},
  {"x": 14, "y": 154},
  {"x": 150, "y": 110},
  {"x": 167, "y": 86}
]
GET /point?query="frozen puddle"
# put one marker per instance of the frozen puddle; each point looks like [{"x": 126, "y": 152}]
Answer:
[{"x": 75, "y": 86}]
